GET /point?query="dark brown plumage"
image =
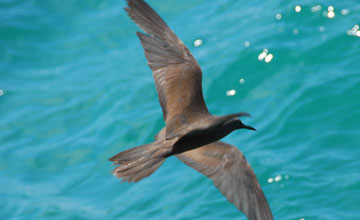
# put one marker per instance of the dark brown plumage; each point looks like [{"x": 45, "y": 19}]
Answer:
[{"x": 191, "y": 132}]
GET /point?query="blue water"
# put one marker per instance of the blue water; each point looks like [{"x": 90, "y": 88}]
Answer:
[{"x": 75, "y": 90}]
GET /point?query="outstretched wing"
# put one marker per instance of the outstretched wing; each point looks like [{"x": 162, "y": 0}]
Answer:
[
  {"x": 177, "y": 74},
  {"x": 233, "y": 175}
]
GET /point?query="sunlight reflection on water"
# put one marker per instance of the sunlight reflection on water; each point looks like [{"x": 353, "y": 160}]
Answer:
[
  {"x": 265, "y": 56},
  {"x": 278, "y": 16},
  {"x": 198, "y": 42},
  {"x": 231, "y": 92},
  {"x": 316, "y": 8},
  {"x": 354, "y": 31}
]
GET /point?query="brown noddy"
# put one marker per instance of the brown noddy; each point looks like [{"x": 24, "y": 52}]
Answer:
[{"x": 191, "y": 133}]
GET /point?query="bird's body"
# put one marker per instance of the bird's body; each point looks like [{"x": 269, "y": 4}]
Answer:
[{"x": 191, "y": 133}]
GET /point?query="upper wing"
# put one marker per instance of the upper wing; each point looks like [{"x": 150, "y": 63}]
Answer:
[
  {"x": 232, "y": 174},
  {"x": 177, "y": 74}
]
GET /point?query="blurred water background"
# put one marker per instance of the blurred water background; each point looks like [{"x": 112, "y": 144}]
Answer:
[{"x": 75, "y": 90}]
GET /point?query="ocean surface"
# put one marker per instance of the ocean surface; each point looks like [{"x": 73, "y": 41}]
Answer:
[{"x": 75, "y": 89}]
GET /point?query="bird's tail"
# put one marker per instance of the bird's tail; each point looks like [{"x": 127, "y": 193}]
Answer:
[{"x": 139, "y": 162}]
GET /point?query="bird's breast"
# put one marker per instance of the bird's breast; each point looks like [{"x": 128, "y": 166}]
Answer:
[{"x": 197, "y": 138}]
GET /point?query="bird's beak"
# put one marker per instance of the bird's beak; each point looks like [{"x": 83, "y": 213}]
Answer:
[{"x": 249, "y": 127}]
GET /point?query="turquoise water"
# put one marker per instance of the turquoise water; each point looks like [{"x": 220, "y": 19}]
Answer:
[{"x": 75, "y": 90}]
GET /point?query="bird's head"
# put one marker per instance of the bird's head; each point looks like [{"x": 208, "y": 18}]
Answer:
[{"x": 232, "y": 122}]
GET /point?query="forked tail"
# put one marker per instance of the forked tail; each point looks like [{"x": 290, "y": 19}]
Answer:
[{"x": 139, "y": 162}]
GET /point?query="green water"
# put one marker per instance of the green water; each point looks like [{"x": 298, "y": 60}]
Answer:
[{"x": 75, "y": 90}]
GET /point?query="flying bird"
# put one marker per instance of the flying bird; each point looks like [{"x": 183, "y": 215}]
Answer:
[{"x": 191, "y": 133}]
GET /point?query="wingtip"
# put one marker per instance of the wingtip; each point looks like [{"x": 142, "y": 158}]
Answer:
[
  {"x": 112, "y": 159},
  {"x": 131, "y": 3}
]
